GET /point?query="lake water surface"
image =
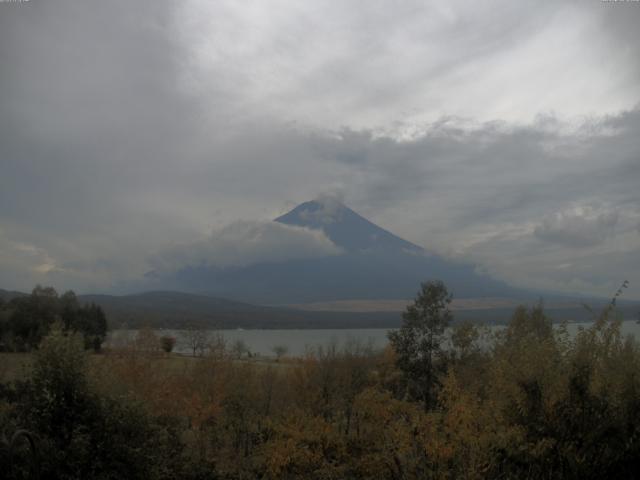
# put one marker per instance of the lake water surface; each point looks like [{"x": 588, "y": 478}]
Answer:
[{"x": 297, "y": 342}]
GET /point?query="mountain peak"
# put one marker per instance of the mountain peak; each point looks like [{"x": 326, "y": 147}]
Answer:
[
  {"x": 316, "y": 213},
  {"x": 345, "y": 228}
]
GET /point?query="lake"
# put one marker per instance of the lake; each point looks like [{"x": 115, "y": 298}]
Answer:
[{"x": 297, "y": 342}]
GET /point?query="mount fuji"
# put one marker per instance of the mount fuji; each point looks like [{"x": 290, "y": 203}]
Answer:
[{"x": 373, "y": 264}]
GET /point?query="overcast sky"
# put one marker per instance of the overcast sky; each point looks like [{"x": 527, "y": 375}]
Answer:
[{"x": 503, "y": 133}]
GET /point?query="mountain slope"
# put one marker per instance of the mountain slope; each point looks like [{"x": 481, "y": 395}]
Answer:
[
  {"x": 166, "y": 309},
  {"x": 376, "y": 264},
  {"x": 346, "y": 228},
  {"x": 349, "y": 276},
  {"x": 163, "y": 309},
  {"x": 7, "y": 295}
]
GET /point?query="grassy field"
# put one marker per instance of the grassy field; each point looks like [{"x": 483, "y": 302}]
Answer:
[
  {"x": 14, "y": 366},
  {"x": 17, "y": 366}
]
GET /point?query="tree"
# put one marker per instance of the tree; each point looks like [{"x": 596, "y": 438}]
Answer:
[
  {"x": 167, "y": 343},
  {"x": 280, "y": 351},
  {"x": 239, "y": 348},
  {"x": 418, "y": 342},
  {"x": 92, "y": 323},
  {"x": 33, "y": 315},
  {"x": 4, "y": 327},
  {"x": 84, "y": 434},
  {"x": 30, "y": 318},
  {"x": 197, "y": 338},
  {"x": 69, "y": 307},
  {"x": 464, "y": 336}
]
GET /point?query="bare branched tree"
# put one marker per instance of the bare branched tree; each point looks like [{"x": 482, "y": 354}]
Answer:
[{"x": 197, "y": 339}]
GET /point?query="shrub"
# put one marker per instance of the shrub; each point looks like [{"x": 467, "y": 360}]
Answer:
[{"x": 167, "y": 343}]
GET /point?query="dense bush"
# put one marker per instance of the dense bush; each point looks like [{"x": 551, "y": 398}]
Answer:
[
  {"x": 167, "y": 343},
  {"x": 85, "y": 435}
]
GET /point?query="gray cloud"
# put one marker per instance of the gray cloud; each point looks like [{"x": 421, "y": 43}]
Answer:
[
  {"x": 130, "y": 127},
  {"x": 363, "y": 65},
  {"x": 578, "y": 227},
  {"x": 244, "y": 243}
]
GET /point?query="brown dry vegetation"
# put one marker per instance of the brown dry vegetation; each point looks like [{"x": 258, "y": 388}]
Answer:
[{"x": 537, "y": 404}]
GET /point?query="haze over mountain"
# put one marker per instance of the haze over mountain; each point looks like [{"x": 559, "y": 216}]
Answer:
[{"x": 372, "y": 263}]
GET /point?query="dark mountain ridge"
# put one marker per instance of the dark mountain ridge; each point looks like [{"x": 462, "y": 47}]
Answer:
[
  {"x": 167, "y": 309},
  {"x": 7, "y": 295},
  {"x": 176, "y": 310}
]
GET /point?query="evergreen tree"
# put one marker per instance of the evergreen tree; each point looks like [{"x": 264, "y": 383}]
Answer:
[{"x": 418, "y": 342}]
